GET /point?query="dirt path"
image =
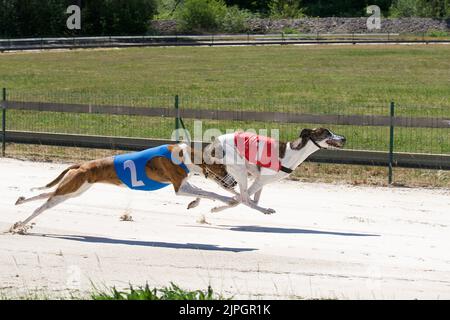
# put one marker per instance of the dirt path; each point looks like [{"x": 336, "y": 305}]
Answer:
[{"x": 325, "y": 241}]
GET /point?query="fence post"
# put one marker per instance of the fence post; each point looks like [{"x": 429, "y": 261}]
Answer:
[
  {"x": 177, "y": 119},
  {"x": 391, "y": 140},
  {"x": 4, "y": 123}
]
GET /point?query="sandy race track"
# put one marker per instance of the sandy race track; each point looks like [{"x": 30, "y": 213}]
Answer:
[{"x": 325, "y": 241}]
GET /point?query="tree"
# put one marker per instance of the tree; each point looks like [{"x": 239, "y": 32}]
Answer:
[
  {"x": 260, "y": 6},
  {"x": 40, "y": 18},
  {"x": 342, "y": 8},
  {"x": 286, "y": 9},
  {"x": 7, "y": 18},
  {"x": 420, "y": 8}
]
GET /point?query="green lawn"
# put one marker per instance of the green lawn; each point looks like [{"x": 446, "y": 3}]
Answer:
[
  {"x": 333, "y": 78},
  {"x": 312, "y": 79}
]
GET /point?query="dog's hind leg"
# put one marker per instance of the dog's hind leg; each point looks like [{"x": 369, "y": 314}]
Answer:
[
  {"x": 74, "y": 184},
  {"x": 22, "y": 200},
  {"x": 21, "y": 227},
  {"x": 58, "y": 179}
]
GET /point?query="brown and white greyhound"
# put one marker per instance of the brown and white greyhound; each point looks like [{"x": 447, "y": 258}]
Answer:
[
  {"x": 173, "y": 165},
  {"x": 158, "y": 167}
]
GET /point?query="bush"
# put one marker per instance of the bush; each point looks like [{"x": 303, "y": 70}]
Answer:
[
  {"x": 406, "y": 8},
  {"x": 286, "y": 9},
  {"x": 197, "y": 16},
  {"x": 236, "y": 20},
  {"x": 419, "y": 8},
  {"x": 289, "y": 30}
]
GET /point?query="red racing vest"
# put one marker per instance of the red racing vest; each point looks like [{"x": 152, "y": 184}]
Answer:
[{"x": 259, "y": 150}]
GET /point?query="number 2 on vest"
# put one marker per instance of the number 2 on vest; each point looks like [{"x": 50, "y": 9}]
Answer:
[{"x": 129, "y": 164}]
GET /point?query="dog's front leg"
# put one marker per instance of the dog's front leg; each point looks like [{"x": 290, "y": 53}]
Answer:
[
  {"x": 257, "y": 196},
  {"x": 186, "y": 189},
  {"x": 194, "y": 204},
  {"x": 256, "y": 188}
]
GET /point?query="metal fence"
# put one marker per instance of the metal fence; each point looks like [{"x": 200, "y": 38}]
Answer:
[
  {"x": 390, "y": 135},
  {"x": 216, "y": 40}
]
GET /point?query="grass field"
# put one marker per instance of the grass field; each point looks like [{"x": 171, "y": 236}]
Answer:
[
  {"x": 312, "y": 79},
  {"x": 328, "y": 77}
]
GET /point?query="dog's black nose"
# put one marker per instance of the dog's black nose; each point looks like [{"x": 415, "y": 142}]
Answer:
[{"x": 344, "y": 140}]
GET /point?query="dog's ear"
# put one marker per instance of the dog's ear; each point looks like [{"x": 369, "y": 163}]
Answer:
[{"x": 306, "y": 133}]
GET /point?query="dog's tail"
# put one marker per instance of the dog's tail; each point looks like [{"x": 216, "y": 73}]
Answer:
[{"x": 58, "y": 179}]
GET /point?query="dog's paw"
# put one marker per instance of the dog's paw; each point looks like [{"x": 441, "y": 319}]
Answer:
[
  {"x": 194, "y": 204},
  {"x": 202, "y": 220},
  {"x": 19, "y": 201},
  {"x": 20, "y": 228},
  {"x": 216, "y": 209},
  {"x": 269, "y": 211},
  {"x": 233, "y": 202}
]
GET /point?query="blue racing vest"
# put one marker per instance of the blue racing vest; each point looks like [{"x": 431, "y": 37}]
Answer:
[{"x": 130, "y": 168}]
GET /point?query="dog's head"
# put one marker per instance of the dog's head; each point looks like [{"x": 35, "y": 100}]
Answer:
[{"x": 323, "y": 138}]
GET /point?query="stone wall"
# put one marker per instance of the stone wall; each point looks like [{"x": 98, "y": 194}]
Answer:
[{"x": 327, "y": 25}]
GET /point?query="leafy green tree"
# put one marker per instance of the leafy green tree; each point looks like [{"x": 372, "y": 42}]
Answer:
[
  {"x": 342, "y": 8},
  {"x": 256, "y": 6},
  {"x": 286, "y": 9},
  {"x": 39, "y": 18},
  {"x": 8, "y": 18},
  {"x": 95, "y": 18},
  {"x": 130, "y": 17},
  {"x": 420, "y": 8}
]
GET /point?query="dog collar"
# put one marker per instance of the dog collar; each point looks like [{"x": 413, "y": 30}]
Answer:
[
  {"x": 289, "y": 170},
  {"x": 286, "y": 169},
  {"x": 317, "y": 145}
]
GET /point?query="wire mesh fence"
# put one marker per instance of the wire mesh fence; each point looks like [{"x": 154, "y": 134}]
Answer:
[
  {"x": 221, "y": 39},
  {"x": 420, "y": 129}
]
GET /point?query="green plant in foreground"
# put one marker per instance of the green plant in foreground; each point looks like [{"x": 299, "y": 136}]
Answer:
[{"x": 172, "y": 292}]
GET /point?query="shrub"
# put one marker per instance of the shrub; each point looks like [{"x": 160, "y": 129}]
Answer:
[
  {"x": 201, "y": 15},
  {"x": 406, "y": 8},
  {"x": 419, "y": 8},
  {"x": 286, "y": 9},
  {"x": 289, "y": 30},
  {"x": 236, "y": 20}
]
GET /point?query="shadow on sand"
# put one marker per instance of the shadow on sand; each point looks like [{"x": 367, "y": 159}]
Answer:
[
  {"x": 296, "y": 231},
  {"x": 90, "y": 239},
  {"x": 283, "y": 230}
]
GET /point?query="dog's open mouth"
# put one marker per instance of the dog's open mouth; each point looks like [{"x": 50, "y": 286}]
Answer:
[{"x": 334, "y": 144}]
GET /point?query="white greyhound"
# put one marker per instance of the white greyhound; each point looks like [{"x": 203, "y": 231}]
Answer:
[{"x": 266, "y": 159}]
